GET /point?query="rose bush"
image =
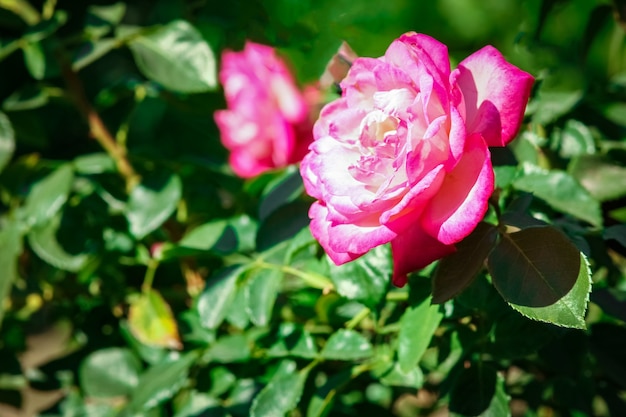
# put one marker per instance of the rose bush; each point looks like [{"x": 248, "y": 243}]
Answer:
[
  {"x": 267, "y": 121},
  {"x": 403, "y": 155}
]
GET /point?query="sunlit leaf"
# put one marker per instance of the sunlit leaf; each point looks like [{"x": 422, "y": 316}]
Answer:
[
  {"x": 152, "y": 202},
  {"x": 7, "y": 140},
  {"x": 110, "y": 372},
  {"x": 176, "y": 56},
  {"x": 215, "y": 300},
  {"x": 260, "y": 294},
  {"x": 282, "y": 393},
  {"x": 10, "y": 249},
  {"x": 151, "y": 321},
  {"x": 160, "y": 382},
  {"x": 602, "y": 177},
  {"x": 48, "y": 195},
  {"x": 417, "y": 326},
  {"x": 561, "y": 191},
  {"x": 347, "y": 345},
  {"x": 366, "y": 279}
]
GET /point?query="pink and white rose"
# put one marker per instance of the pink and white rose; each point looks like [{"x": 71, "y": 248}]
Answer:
[
  {"x": 267, "y": 122},
  {"x": 403, "y": 155}
]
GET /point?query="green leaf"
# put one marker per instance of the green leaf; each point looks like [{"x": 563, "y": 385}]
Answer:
[
  {"x": 347, "y": 345},
  {"x": 541, "y": 274},
  {"x": 417, "y": 327},
  {"x": 281, "y": 190},
  {"x": 213, "y": 303},
  {"x": 48, "y": 195},
  {"x": 110, "y": 372},
  {"x": 151, "y": 203},
  {"x": 457, "y": 271},
  {"x": 534, "y": 267},
  {"x": 617, "y": 233},
  {"x": 260, "y": 294},
  {"x": 603, "y": 177},
  {"x": 282, "y": 393},
  {"x": 43, "y": 240},
  {"x": 7, "y": 140},
  {"x": 499, "y": 405},
  {"x": 569, "y": 311},
  {"x": 94, "y": 163},
  {"x": 10, "y": 249},
  {"x": 93, "y": 51},
  {"x": 160, "y": 382},
  {"x": 35, "y": 60},
  {"x": 323, "y": 399},
  {"x": 366, "y": 279},
  {"x": 560, "y": 191},
  {"x": 575, "y": 139},
  {"x": 550, "y": 105},
  {"x": 177, "y": 57},
  {"x": 230, "y": 348},
  {"x": 198, "y": 404},
  {"x": 473, "y": 390},
  {"x": 293, "y": 340},
  {"x": 282, "y": 224},
  {"x": 151, "y": 321}
]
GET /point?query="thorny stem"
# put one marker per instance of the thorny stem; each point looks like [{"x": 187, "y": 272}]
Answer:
[{"x": 97, "y": 129}]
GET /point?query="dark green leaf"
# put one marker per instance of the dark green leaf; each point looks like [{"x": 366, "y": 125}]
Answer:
[
  {"x": 151, "y": 203},
  {"x": 109, "y": 372},
  {"x": 281, "y": 190},
  {"x": 604, "y": 178},
  {"x": 347, "y": 345},
  {"x": 198, "y": 404},
  {"x": 324, "y": 397},
  {"x": 48, "y": 195},
  {"x": 176, "y": 56},
  {"x": 160, "y": 382},
  {"x": 365, "y": 279},
  {"x": 230, "y": 348},
  {"x": 473, "y": 390},
  {"x": 561, "y": 191},
  {"x": 283, "y": 223},
  {"x": 455, "y": 272},
  {"x": 540, "y": 273},
  {"x": 417, "y": 326},
  {"x": 534, "y": 267},
  {"x": 617, "y": 233},
  {"x": 92, "y": 51},
  {"x": 499, "y": 405},
  {"x": 569, "y": 311},
  {"x": 282, "y": 393},
  {"x": 213, "y": 303},
  {"x": 7, "y": 140},
  {"x": 260, "y": 291}
]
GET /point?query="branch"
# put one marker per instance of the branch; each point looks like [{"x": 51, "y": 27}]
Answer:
[{"x": 97, "y": 129}]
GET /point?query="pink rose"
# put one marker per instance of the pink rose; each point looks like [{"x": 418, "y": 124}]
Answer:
[
  {"x": 403, "y": 155},
  {"x": 267, "y": 122}
]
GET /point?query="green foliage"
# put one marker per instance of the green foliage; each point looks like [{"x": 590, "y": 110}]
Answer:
[{"x": 140, "y": 277}]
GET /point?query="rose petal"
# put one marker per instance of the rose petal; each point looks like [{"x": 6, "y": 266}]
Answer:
[
  {"x": 495, "y": 94},
  {"x": 462, "y": 200},
  {"x": 415, "y": 249},
  {"x": 319, "y": 229}
]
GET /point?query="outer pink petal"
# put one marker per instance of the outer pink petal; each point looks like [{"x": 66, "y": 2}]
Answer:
[
  {"x": 495, "y": 94},
  {"x": 462, "y": 200},
  {"x": 413, "y": 250},
  {"x": 319, "y": 229},
  {"x": 359, "y": 237}
]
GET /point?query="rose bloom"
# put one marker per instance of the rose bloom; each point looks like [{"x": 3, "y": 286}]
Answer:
[
  {"x": 267, "y": 122},
  {"x": 403, "y": 155}
]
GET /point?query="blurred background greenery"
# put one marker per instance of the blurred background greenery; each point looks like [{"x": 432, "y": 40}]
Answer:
[{"x": 106, "y": 313}]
